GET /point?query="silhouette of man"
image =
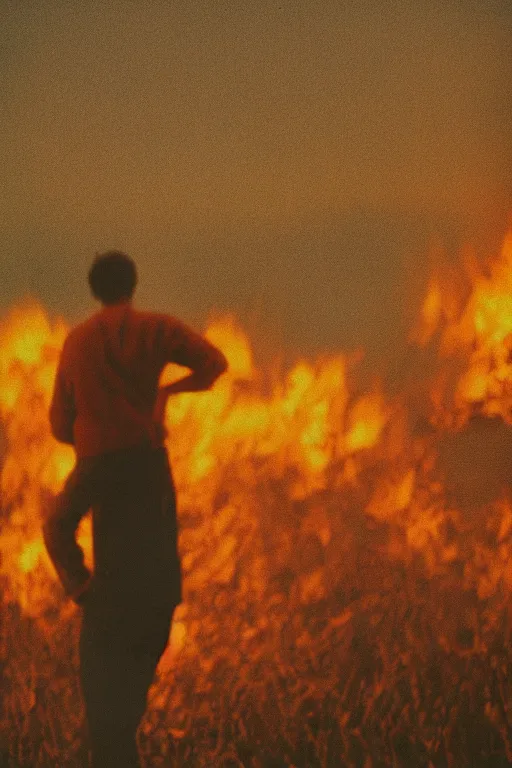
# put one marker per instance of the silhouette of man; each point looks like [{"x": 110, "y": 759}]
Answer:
[{"x": 106, "y": 402}]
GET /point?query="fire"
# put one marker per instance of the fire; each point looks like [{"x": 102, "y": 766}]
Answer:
[
  {"x": 308, "y": 428},
  {"x": 287, "y": 484},
  {"x": 30, "y": 555},
  {"x": 475, "y": 328},
  {"x": 367, "y": 419}
]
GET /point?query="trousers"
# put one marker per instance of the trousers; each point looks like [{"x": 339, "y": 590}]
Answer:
[
  {"x": 115, "y": 680},
  {"x": 132, "y": 595}
]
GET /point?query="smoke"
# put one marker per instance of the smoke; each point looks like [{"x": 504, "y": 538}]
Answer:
[{"x": 291, "y": 161}]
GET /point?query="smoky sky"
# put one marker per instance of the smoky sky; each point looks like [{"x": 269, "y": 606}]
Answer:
[{"x": 289, "y": 162}]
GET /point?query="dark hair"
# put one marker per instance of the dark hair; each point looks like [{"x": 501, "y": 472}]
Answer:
[{"x": 112, "y": 277}]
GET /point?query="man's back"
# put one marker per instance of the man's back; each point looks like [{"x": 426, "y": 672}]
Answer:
[{"x": 108, "y": 376}]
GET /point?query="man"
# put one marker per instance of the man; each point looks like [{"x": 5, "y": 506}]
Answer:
[{"x": 106, "y": 403}]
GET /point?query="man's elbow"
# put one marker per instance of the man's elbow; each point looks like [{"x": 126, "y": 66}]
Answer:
[
  {"x": 62, "y": 433},
  {"x": 221, "y": 364},
  {"x": 216, "y": 368},
  {"x": 64, "y": 437}
]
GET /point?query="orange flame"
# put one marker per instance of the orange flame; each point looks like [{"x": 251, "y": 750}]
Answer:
[{"x": 230, "y": 446}]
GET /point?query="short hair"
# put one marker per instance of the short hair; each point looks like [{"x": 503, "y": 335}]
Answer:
[{"x": 112, "y": 277}]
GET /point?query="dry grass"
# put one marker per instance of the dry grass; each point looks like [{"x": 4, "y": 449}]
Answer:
[{"x": 391, "y": 669}]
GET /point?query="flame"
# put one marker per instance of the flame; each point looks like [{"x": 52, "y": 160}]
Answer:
[
  {"x": 30, "y": 555},
  {"x": 308, "y": 429},
  {"x": 285, "y": 480},
  {"x": 302, "y": 427},
  {"x": 367, "y": 419},
  {"x": 475, "y": 329},
  {"x": 430, "y": 314}
]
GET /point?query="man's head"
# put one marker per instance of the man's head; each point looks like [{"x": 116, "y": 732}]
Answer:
[{"x": 112, "y": 277}]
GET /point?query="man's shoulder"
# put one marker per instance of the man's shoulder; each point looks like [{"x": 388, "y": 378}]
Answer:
[
  {"x": 74, "y": 335},
  {"x": 159, "y": 319},
  {"x": 80, "y": 331},
  {"x": 150, "y": 320},
  {"x": 138, "y": 316}
]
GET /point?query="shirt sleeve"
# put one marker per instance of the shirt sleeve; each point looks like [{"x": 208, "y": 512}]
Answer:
[
  {"x": 62, "y": 407},
  {"x": 185, "y": 347}
]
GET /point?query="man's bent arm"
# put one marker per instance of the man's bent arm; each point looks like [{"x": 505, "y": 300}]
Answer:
[
  {"x": 198, "y": 380},
  {"x": 190, "y": 350}
]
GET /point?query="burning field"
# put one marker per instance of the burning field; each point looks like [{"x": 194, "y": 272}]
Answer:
[{"x": 347, "y": 553}]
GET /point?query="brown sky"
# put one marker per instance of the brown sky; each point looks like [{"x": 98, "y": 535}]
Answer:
[{"x": 287, "y": 161}]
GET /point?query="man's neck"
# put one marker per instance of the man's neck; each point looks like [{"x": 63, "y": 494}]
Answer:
[{"x": 118, "y": 305}]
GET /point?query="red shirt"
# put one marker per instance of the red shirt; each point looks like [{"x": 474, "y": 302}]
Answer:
[{"x": 108, "y": 373}]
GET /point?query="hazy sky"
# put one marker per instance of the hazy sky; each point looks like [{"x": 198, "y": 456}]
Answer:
[{"x": 287, "y": 161}]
